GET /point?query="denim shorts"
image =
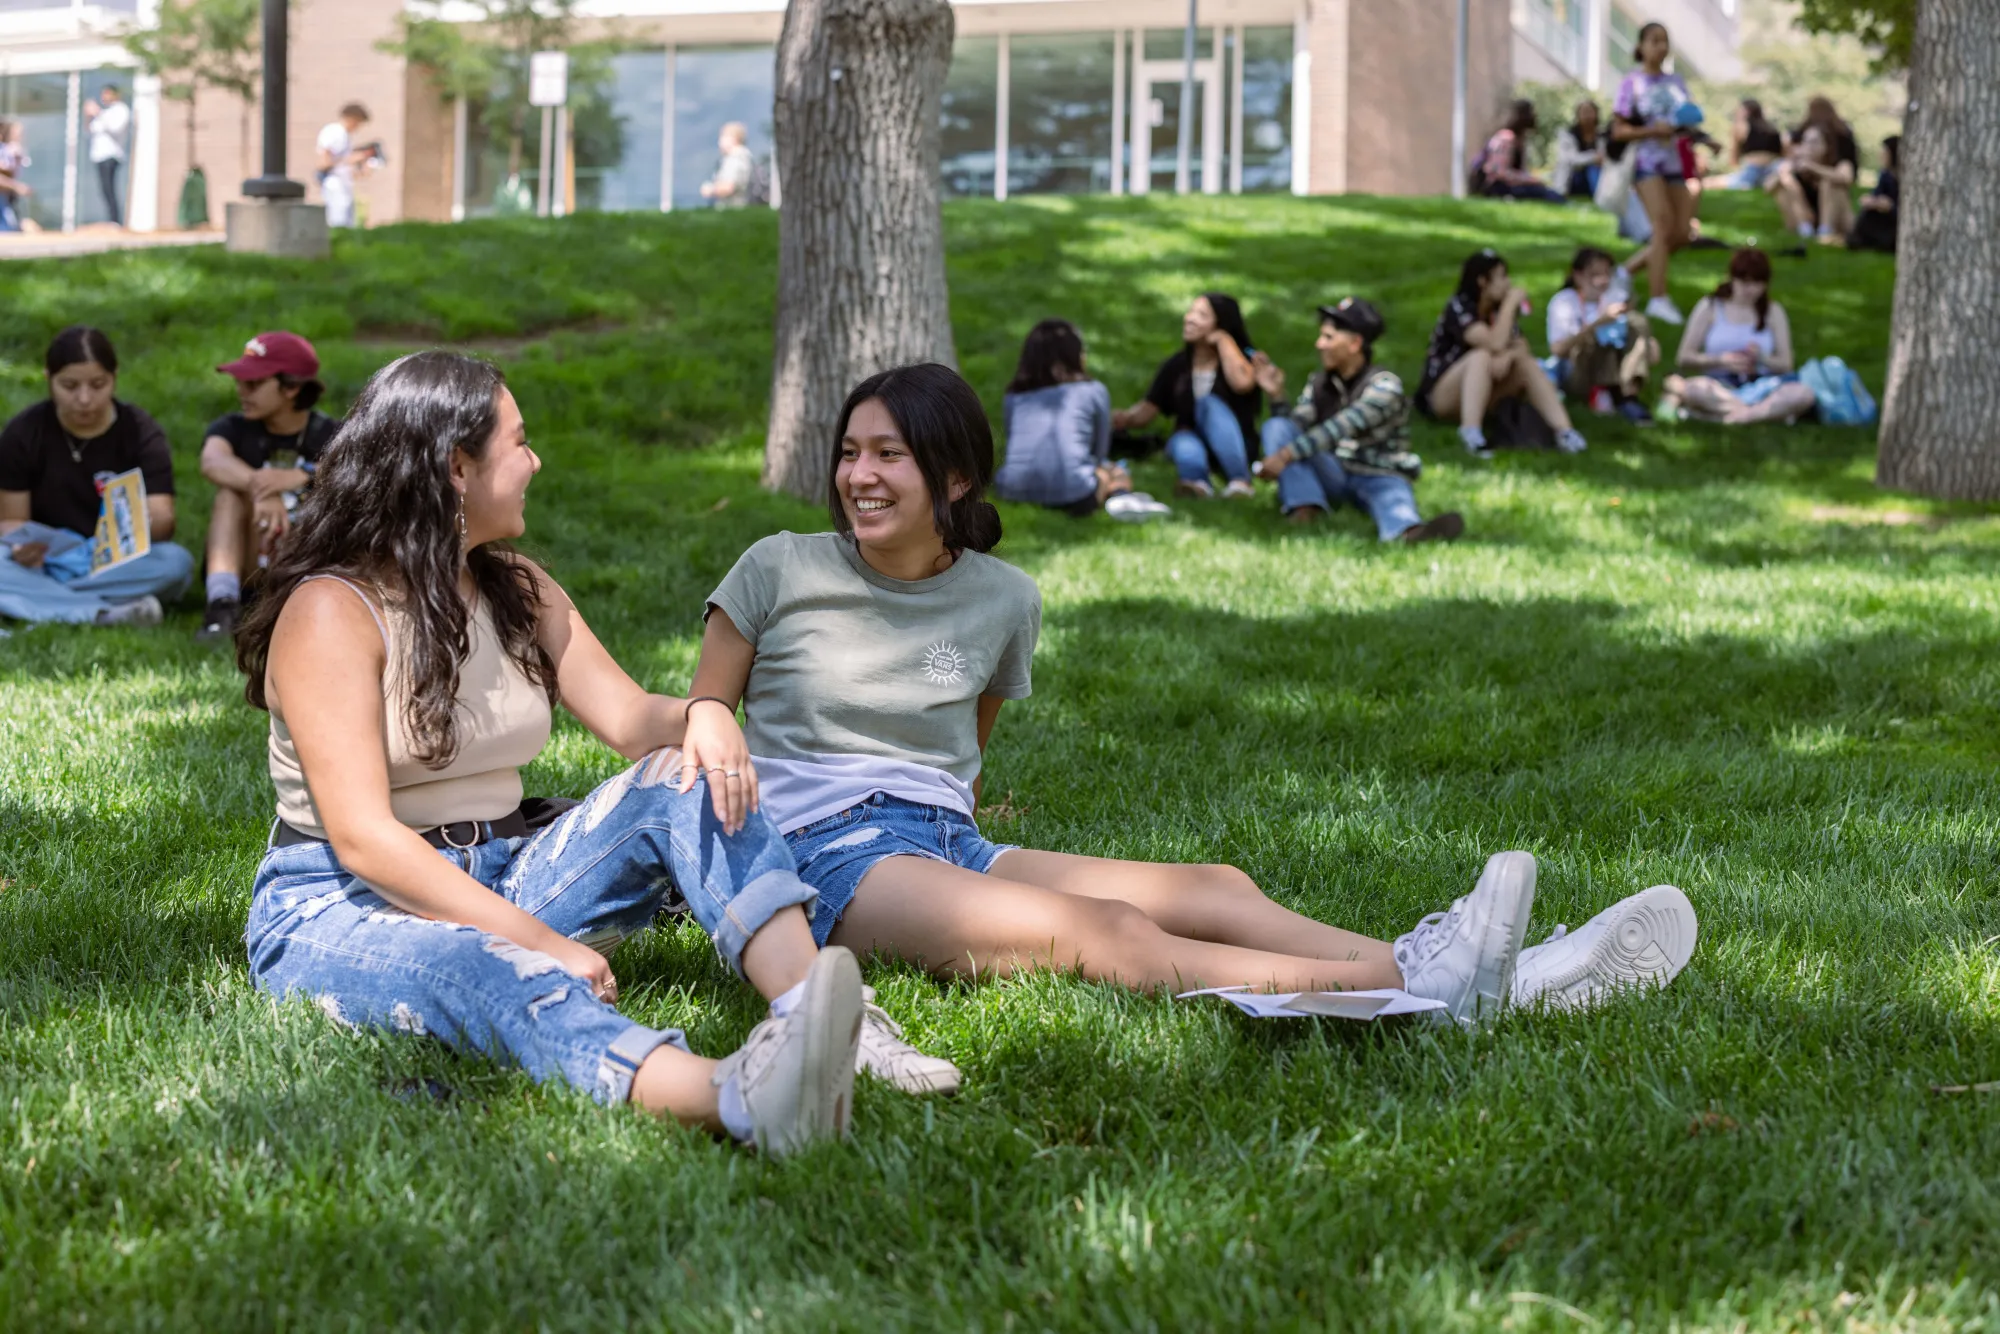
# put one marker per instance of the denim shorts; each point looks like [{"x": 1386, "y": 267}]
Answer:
[{"x": 835, "y": 853}]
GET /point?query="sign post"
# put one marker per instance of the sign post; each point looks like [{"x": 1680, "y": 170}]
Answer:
[{"x": 548, "y": 88}]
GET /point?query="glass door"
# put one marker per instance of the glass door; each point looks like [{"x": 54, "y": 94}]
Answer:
[{"x": 1156, "y": 127}]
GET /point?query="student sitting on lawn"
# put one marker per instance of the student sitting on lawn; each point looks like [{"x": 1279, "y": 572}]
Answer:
[
  {"x": 1210, "y": 387},
  {"x": 54, "y": 459},
  {"x": 410, "y": 660},
  {"x": 1875, "y": 225},
  {"x": 1599, "y": 344},
  {"x": 873, "y": 662},
  {"x": 1477, "y": 356},
  {"x": 1501, "y": 169},
  {"x": 1741, "y": 343},
  {"x": 1059, "y": 433},
  {"x": 1348, "y": 437},
  {"x": 1814, "y": 185},
  {"x": 260, "y": 458}
]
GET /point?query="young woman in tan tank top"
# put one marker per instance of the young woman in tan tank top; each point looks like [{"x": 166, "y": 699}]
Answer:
[{"x": 409, "y": 662}]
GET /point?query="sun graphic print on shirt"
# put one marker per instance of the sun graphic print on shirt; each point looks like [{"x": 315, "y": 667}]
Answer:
[{"x": 944, "y": 664}]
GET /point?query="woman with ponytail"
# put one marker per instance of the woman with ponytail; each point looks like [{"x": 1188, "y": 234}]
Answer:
[
  {"x": 873, "y": 661},
  {"x": 410, "y": 661}
]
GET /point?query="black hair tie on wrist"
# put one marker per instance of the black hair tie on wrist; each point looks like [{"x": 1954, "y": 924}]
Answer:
[{"x": 688, "y": 712}]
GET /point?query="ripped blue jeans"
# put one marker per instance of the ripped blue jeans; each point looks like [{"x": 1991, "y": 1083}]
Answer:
[{"x": 597, "y": 875}]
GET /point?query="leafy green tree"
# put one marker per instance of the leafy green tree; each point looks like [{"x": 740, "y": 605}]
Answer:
[
  {"x": 484, "y": 60},
  {"x": 196, "y": 44}
]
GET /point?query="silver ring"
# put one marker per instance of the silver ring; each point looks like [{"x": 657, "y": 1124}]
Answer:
[{"x": 732, "y": 773}]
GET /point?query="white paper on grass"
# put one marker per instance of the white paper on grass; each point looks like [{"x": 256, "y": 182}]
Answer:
[{"x": 1381, "y": 1004}]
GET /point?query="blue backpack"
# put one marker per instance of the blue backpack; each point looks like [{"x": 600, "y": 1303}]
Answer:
[{"x": 1843, "y": 400}]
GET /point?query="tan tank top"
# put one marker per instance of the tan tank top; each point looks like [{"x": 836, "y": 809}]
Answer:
[{"x": 503, "y": 723}]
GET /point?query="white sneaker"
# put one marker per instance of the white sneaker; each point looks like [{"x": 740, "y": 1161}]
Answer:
[
  {"x": 1238, "y": 489},
  {"x": 1135, "y": 507},
  {"x": 141, "y": 611},
  {"x": 1663, "y": 310},
  {"x": 1571, "y": 441},
  {"x": 885, "y": 1055},
  {"x": 796, "y": 1074},
  {"x": 1474, "y": 440},
  {"x": 1643, "y": 941},
  {"x": 1466, "y": 957}
]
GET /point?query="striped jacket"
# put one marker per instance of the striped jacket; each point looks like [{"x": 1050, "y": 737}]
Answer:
[{"x": 1364, "y": 422}]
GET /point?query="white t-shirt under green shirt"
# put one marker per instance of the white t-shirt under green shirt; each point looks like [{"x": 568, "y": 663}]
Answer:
[{"x": 866, "y": 684}]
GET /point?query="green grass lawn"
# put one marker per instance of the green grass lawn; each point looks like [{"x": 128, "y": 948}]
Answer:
[{"x": 1720, "y": 659}]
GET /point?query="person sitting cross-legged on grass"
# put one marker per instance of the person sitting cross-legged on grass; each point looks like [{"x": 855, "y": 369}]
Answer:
[
  {"x": 1598, "y": 343},
  {"x": 410, "y": 662},
  {"x": 261, "y": 459},
  {"x": 1059, "y": 433},
  {"x": 1740, "y": 342},
  {"x": 873, "y": 662},
  {"x": 1348, "y": 437},
  {"x": 1210, "y": 387},
  {"x": 54, "y": 458},
  {"x": 1477, "y": 356}
]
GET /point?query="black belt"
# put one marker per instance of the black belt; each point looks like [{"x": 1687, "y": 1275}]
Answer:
[{"x": 459, "y": 834}]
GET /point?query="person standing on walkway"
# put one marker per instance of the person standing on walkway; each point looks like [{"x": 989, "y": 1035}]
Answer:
[
  {"x": 55, "y": 457},
  {"x": 110, "y": 120},
  {"x": 339, "y": 160}
]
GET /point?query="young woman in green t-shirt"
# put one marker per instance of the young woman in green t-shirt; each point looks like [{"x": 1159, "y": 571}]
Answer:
[{"x": 873, "y": 662}]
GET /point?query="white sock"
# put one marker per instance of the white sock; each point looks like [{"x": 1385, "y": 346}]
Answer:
[
  {"x": 735, "y": 1113},
  {"x": 783, "y": 1005},
  {"x": 1806, "y": 230},
  {"x": 223, "y": 587}
]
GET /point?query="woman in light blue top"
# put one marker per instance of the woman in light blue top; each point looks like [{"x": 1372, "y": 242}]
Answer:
[{"x": 1058, "y": 423}]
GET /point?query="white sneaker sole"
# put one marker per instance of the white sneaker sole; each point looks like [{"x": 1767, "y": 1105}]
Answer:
[
  {"x": 1511, "y": 875},
  {"x": 1647, "y": 944},
  {"x": 832, "y": 1006}
]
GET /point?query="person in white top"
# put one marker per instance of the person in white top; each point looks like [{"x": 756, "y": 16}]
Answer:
[
  {"x": 109, "y": 119},
  {"x": 340, "y": 160},
  {"x": 1600, "y": 345},
  {"x": 730, "y": 187},
  {"x": 1740, "y": 343}
]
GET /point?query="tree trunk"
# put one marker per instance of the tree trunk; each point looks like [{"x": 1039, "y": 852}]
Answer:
[
  {"x": 861, "y": 283},
  {"x": 1941, "y": 410}
]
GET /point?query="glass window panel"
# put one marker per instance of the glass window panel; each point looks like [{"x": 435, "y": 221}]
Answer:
[
  {"x": 39, "y": 103},
  {"x": 620, "y": 125},
  {"x": 1170, "y": 43},
  {"x": 969, "y": 118},
  {"x": 1267, "y": 109},
  {"x": 1059, "y": 114},
  {"x": 495, "y": 154},
  {"x": 90, "y": 205},
  {"x": 714, "y": 85},
  {"x": 1164, "y": 112}
]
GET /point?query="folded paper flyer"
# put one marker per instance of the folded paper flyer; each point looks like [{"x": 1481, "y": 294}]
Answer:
[{"x": 1364, "y": 1005}]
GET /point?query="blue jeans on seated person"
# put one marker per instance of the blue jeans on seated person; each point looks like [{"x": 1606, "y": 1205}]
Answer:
[
  {"x": 598, "y": 874},
  {"x": 1217, "y": 437},
  {"x": 1319, "y": 480},
  {"x": 65, "y": 590},
  {"x": 835, "y": 853}
]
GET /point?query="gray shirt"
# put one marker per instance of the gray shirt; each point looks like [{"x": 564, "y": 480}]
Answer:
[
  {"x": 865, "y": 684},
  {"x": 1056, "y": 437}
]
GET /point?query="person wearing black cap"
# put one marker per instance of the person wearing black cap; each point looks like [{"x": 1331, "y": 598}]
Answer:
[
  {"x": 260, "y": 458},
  {"x": 1348, "y": 437}
]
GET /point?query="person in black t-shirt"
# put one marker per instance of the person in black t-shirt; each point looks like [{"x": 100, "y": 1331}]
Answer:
[
  {"x": 1478, "y": 357},
  {"x": 54, "y": 460},
  {"x": 1210, "y": 387},
  {"x": 260, "y": 458},
  {"x": 1875, "y": 227},
  {"x": 1814, "y": 185}
]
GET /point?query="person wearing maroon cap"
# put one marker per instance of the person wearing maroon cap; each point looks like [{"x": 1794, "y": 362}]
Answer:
[{"x": 260, "y": 458}]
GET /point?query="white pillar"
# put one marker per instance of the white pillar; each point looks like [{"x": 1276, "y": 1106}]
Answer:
[
  {"x": 1236, "y": 113},
  {"x": 667, "y": 145},
  {"x": 461, "y": 117},
  {"x": 72, "y": 119},
  {"x": 1118, "y": 39},
  {"x": 1596, "y": 27},
  {"x": 1302, "y": 96},
  {"x": 1000, "y": 112},
  {"x": 145, "y": 201}
]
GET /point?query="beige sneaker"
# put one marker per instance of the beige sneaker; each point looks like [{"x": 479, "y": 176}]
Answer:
[
  {"x": 796, "y": 1074},
  {"x": 884, "y": 1054}
]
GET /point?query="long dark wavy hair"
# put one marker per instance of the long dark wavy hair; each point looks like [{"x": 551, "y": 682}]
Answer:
[
  {"x": 1228, "y": 318},
  {"x": 944, "y": 424},
  {"x": 1472, "y": 274},
  {"x": 1052, "y": 354},
  {"x": 382, "y": 509}
]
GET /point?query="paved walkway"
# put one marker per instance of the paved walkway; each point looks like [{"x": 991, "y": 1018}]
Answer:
[{"x": 94, "y": 240}]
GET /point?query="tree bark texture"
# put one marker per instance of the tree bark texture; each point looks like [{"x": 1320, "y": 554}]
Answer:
[
  {"x": 861, "y": 281},
  {"x": 1941, "y": 409}
]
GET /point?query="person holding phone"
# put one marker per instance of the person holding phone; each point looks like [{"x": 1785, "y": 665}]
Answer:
[{"x": 55, "y": 458}]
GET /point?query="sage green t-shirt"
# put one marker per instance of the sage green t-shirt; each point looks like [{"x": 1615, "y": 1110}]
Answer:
[{"x": 863, "y": 683}]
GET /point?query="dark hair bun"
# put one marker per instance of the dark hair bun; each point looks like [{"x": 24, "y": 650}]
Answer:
[{"x": 977, "y": 524}]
